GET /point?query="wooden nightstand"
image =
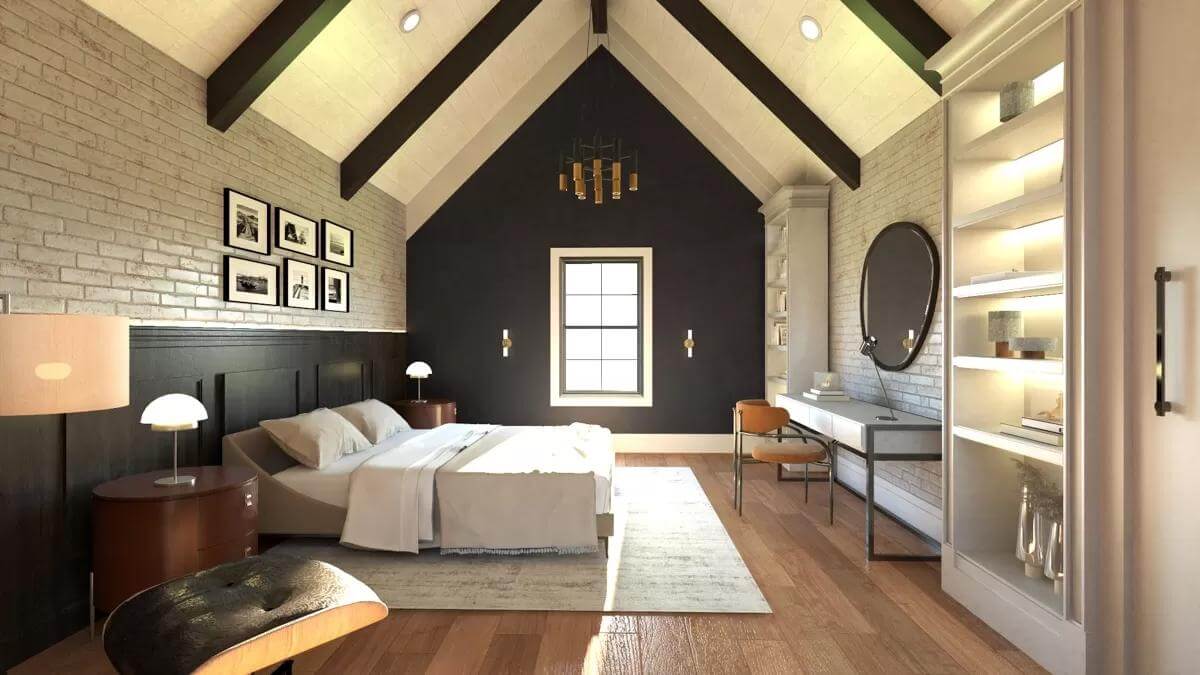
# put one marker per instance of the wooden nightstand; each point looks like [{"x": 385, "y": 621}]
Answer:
[
  {"x": 143, "y": 534},
  {"x": 427, "y": 414}
]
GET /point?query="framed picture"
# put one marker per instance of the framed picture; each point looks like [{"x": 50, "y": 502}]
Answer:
[
  {"x": 294, "y": 232},
  {"x": 247, "y": 222},
  {"x": 299, "y": 284},
  {"x": 337, "y": 243},
  {"x": 251, "y": 281},
  {"x": 335, "y": 290}
]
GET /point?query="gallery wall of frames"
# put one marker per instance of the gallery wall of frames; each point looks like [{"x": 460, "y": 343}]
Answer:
[{"x": 314, "y": 272}]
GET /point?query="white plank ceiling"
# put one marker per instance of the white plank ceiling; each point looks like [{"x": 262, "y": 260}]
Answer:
[{"x": 353, "y": 74}]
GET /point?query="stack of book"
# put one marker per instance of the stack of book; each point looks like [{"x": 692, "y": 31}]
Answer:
[
  {"x": 815, "y": 394},
  {"x": 1037, "y": 429}
]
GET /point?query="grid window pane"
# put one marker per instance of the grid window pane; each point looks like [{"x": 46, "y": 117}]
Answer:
[
  {"x": 618, "y": 344},
  {"x": 582, "y": 310},
  {"x": 582, "y": 375},
  {"x": 619, "y": 375},
  {"x": 601, "y": 329},
  {"x": 583, "y": 343},
  {"x": 582, "y": 278},
  {"x": 620, "y": 278},
  {"x": 619, "y": 310}
]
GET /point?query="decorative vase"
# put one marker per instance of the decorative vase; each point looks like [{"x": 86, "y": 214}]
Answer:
[
  {"x": 1025, "y": 540},
  {"x": 1002, "y": 327},
  {"x": 1053, "y": 567},
  {"x": 1015, "y": 98},
  {"x": 1033, "y": 347},
  {"x": 1036, "y": 559}
]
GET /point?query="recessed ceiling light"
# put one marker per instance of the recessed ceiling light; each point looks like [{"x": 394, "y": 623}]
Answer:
[
  {"x": 410, "y": 21},
  {"x": 810, "y": 29}
]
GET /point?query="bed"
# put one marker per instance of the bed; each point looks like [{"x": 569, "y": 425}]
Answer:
[{"x": 494, "y": 489}]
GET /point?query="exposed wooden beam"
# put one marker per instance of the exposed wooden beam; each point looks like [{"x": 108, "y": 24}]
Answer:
[
  {"x": 400, "y": 124},
  {"x": 262, "y": 56},
  {"x": 774, "y": 94},
  {"x": 600, "y": 16},
  {"x": 907, "y": 30}
]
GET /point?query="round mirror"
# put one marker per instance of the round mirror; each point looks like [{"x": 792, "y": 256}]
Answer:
[{"x": 898, "y": 293}]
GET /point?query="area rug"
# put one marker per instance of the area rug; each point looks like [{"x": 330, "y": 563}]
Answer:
[{"x": 670, "y": 553}]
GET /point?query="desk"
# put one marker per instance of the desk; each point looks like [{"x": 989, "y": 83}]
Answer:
[{"x": 852, "y": 425}]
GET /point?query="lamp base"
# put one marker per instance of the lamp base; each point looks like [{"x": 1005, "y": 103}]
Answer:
[
  {"x": 886, "y": 418},
  {"x": 175, "y": 481}
]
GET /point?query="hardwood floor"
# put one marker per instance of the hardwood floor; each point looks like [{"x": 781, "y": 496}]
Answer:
[{"x": 833, "y": 612}]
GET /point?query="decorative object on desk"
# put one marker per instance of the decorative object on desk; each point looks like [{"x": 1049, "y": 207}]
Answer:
[
  {"x": 63, "y": 363},
  {"x": 335, "y": 290},
  {"x": 174, "y": 413},
  {"x": 295, "y": 233},
  {"x": 418, "y": 370},
  {"x": 1002, "y": 327},
  {"x": 781, "y": 333},
  {"x": 867, "y": 348},
  {"x": 825, "y": 381},
  {"x": 825, "y": 395},
  {"x": 247, "y": 222},
  {"x": 505, "y": 343},
  {"x": 898, "y": 291},
  {"x": 689, "y": 344},
  {"x": 251, "y": 281},
  {"x": 300, "y": 284},
  {"x": 1033, "y": 347},
  {"x": 1015, "y": 99},
  {"x": 337, "y": 243}
]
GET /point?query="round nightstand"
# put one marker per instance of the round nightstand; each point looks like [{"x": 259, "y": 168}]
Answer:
[
  {"x": 143, "y": 534},
  {"x": 427, "y": 413}
]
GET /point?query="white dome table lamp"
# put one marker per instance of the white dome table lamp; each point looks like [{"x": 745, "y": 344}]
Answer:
[
  {"x": 418, "y": 370},
  {"x": 174, "y": 413}
]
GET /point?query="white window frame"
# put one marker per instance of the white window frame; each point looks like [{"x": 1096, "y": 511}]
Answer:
[{"x": 646, "y": 398}]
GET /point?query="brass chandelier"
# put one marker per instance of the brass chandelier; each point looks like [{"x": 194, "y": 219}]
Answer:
[{"x": 598, "y": 164}]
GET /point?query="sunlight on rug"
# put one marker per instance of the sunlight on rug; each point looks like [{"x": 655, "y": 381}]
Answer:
[{"x": 670, "y": 554}]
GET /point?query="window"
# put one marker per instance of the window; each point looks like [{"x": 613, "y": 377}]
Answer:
[{"x": 600, "y": 328}]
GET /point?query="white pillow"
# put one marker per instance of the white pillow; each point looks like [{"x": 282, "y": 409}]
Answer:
[
  {"x": 316, "y": 439},
  {"x": 376, "y": 420}
]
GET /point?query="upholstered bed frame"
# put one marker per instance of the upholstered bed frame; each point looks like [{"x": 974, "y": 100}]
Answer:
[{"x": 282, "y": 510}]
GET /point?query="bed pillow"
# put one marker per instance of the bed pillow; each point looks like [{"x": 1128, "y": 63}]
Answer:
[
  {"x": 316, "y": 439},
  {"x": 376, "y": 420}
]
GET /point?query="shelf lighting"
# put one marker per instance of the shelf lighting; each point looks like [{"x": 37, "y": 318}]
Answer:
[
  {"x": 1040, "y": 231},
  {"x": 1048, "y": 84},
  {"x": 1036, "y": 303}
]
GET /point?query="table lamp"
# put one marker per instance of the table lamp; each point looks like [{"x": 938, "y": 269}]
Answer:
[
  {"x": 867, "y": 349},
  {"x": 58, "y": 363},
  {"x": 418, "y": 370},
  {"x": 174, "y": 413}
]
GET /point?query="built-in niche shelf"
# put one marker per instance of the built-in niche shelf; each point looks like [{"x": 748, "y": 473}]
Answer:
[
  {"x": 1005, "y": 566},
  {"x": 1036, "y": 128},
  {"x": 1027, "y": 209},
  {"x": 782, "y": 316},
  {"x": 1039, "y": 284},
  {"x": 777, "y": 348},
  {"x": 781, "y": 379},
  {"x": 780, "y": 252},
  {"x": 1011, "y": 365},
  {"x": 778, "y": 282},
  {"x": 1043, "y": 452}
]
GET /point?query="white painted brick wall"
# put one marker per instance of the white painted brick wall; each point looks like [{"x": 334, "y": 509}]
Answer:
[
  {"x": 111, "y": 183},
  {"x": 901, "y": 180}
]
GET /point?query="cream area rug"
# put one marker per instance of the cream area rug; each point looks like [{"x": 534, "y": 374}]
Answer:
[{"x": 670, "y": 553}]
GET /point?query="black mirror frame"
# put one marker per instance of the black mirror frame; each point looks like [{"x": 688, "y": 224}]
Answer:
[{"x": 930, "y": 307}]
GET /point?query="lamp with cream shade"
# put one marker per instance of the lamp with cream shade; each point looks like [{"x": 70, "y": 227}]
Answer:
[
  {"x": 174, "y": 413},
  {"x": 418, "y": 370}
]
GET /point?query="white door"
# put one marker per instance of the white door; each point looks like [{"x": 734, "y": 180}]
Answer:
[{"x": 1163, "y": 456}]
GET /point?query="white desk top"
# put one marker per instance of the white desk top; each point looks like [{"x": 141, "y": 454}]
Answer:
[{"x": 864, "y": 413}]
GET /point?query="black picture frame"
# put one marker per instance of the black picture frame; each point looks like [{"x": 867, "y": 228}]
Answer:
[
  {"x": 284, "y": 217},
  {"x": 288, "y": 292},
  {"x": 344, "y": 277},
  {"x": 233, "y": 239},
  {"x": 231, "y": 294},
  {"x": 330, "y": 229}
]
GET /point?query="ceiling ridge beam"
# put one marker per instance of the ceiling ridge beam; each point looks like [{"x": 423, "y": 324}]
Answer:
[
  {"x": 712, "y": 34},
  {"x": 907, "y": 30},
  {"x": 253, "y": 66},
  {"x": 430, "y": 93},
  {"x": 600, "y": 16}
]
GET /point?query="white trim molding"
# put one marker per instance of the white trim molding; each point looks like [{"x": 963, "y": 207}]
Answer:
[
  {"x": 642, "y": 400},
  {"x": 686, "y": 444}
]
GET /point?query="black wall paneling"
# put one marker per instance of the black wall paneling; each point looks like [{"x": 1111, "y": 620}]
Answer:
[
  {"x": 482, "y": 264},
  {"x": 49, "y": 464}
]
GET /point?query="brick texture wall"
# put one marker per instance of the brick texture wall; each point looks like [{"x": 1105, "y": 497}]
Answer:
[
  {"x": 111, "y": 183},
  {"x": 901, "y": 180}
]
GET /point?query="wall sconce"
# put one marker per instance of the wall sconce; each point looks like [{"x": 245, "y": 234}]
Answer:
[
  {"x": 505, "y": 343},
  {"x": 910, "y": 341},
  {"x": 689, "y": 343}
]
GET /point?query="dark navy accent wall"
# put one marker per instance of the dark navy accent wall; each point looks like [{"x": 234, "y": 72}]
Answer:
[{"x": 482, "y": 263}]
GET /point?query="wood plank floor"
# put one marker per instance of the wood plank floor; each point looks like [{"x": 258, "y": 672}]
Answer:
[{"x": 833, "y": 612}]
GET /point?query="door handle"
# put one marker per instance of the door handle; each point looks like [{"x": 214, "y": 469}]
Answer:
[{"x": 1161, "y": 405}]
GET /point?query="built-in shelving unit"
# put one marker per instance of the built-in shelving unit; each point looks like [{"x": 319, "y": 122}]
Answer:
[{"x": 1008, "y": 200}]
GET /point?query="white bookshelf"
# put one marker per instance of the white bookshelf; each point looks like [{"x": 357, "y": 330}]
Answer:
[{"x": 1009, "y": 187}]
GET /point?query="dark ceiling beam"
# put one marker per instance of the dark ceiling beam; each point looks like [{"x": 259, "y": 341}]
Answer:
[
  {"x": 774, "y": 94},
  {"x": 262, "y": 56},
  {"x": 400, "y": 124},
  {"x": 600, "y": 16},
  {"x": 907, "y": 30}
]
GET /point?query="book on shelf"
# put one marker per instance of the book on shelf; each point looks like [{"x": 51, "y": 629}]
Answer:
[
  {"x": 825, "y": 397},
  {"x": 1047, "y": 437},
  {"x": 1054, "y": 427},
  {"x": 830, "y": 392}
]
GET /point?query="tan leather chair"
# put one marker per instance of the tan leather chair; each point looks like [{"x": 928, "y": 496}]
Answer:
[{"x": 774, "y": 441}]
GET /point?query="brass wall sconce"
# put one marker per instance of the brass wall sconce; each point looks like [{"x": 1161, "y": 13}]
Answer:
[
  {"x": 505, "y": 343},
  {"x": 689, "y": 344}
]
